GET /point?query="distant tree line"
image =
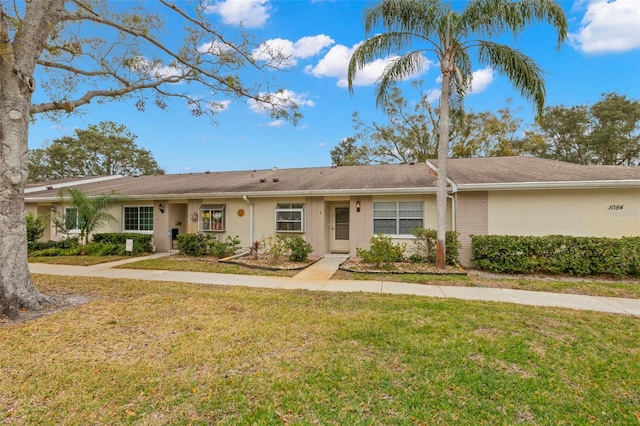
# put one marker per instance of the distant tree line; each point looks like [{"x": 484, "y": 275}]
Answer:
[{"x": 607, "y": 132}]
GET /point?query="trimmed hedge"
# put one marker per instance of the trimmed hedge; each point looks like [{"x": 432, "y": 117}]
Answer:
[
  {"x": 141, "y": 242},
  {"x": 557, "y": 254},
  {"x": 204, "y": 245},
  {"x": 67, "y": 243}
]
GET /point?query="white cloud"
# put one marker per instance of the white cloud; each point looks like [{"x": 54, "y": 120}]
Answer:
[
  {"x": 276, "y": 123},
  {"x": 285, "y": 53},
  {"x": 284, "y": 98},
  {"x": 481, "y": 79},
  {"x": 336, "y": 63},
  {"x": 609, "y": 26},
  {"x": 250, "y": 13},
  {"x": 155, "y": 69},
  {"x": 213, "y": 47}
]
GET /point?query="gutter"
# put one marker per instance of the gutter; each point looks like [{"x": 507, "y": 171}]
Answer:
[
  {"x": 452, "y": 197},
  {"x": 625, "y": 183},
  {"x": 244, "y": 197},
  {"x": 70, "y": 183}
]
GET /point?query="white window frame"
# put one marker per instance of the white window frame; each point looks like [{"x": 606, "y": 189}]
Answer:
[
  {"x": 75, "y": 230},
  {"x": 138, "y": 230},
  {"x": 398, "y": 217},
  {"x": 209, "y": 211},
  {"x": 285, "y": 220}
]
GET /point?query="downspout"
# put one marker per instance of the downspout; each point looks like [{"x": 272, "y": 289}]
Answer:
[
  {"x": 244, "y": 197},
  {"x": 454, "y": 191}
]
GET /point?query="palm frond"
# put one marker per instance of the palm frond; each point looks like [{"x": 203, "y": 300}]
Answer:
[
  {"x": 398, "y": 70},
  {"x": 491, "y": 18},
  {"x": 521, "y": 70}
]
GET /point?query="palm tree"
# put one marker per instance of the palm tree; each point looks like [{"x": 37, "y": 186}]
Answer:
[
  {"x": 87, "y": 213},
  {"x": 451, "y": 36}
]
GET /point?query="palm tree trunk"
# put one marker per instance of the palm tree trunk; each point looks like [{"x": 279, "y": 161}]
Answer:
[{"x": 443, "y": 154}]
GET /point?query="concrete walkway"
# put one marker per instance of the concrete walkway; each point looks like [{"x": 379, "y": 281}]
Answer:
[{"x": 317, "y": 278}]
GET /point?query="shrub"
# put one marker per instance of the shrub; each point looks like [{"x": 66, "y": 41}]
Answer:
[
  {"x": 56, "y": 251},
  {"x": 141, "y": 242},
  {"x": 194, "y": 244},
  {"x": 104, "y": 249},
  {"x": 205, "y": 245},
  {"x": 67, "y": 243},
  {"x": 274, "y": 247},
  {"x": 299, "y": 248},
  {"x": 382, "y": 251},
  {"x": 226, "y": 248},
  {"x": 425, "y": 246},
  {"x": 557, "y": 254},
  {"x": 35, "y": 228}
]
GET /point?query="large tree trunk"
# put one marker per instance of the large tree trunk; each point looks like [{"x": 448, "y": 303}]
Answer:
[
  {"x": 17, "y": 64},
  {"x": 16, "y": 288}
]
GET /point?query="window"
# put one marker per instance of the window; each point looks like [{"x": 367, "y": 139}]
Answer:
[
  {"x": 212, "y": 217},
  {"x": 138, "y": 218},
  {"x": 397, "y": 218},
  {"x": 290, "y": 217},
  {"x": 72, "y": 221}
]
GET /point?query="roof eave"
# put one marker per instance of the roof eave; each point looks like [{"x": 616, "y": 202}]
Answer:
[{"x": 627, "y": 183}]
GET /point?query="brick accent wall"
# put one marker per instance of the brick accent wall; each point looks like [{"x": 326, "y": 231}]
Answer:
[{"x": 472, "y": 218}]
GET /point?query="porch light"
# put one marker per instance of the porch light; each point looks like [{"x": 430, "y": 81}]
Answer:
[
  {"x": 161, "y": 207},
  {"x": 358, "y": 206}
]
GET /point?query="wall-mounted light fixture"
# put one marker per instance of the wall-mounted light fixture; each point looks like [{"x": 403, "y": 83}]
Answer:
[
  {"x": 358, "y": 206},
  {"x": 53, "y": 208},
  {"x": 161, "y": 207}
]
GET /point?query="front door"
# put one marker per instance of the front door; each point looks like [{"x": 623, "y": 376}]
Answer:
[{"x": 340, "y": 229}]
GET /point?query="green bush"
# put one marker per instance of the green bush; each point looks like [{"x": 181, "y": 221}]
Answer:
[
  {"x": 56, "y": 251},
  {"x": 35, "y": 228},
  {"x": 382, "y": 251},
  {"x": 104, "y": 249},
  {"x": 292, "y": 246},
  {"x": 299, "y": 248},
  {"x": 226, "y": 248},
  {"x": 424, "y": 249},
  {"x": 205, "y": 245},
  {"x": 141, "y": 242},
  {"x": 67, "y": 243},
  {"x": 557, "y": 254}
]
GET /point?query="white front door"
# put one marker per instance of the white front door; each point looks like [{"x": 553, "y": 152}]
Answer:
[{"x": 340, "y": 228}]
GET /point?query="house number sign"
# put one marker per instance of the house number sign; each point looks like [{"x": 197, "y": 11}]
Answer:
[{"x": 616, "y": 206}]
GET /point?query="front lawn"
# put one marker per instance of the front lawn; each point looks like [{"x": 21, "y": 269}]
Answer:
[
  {"x": 568, "y": 285},
  {"x": 204, "y": 264},
  {"x": 167, "y": 353}
]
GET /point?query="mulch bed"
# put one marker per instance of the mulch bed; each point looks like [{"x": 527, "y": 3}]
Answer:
[{"x": 267, "y": 263}]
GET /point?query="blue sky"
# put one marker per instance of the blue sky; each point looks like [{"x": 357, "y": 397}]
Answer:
[{"x": 601, "y": 55}]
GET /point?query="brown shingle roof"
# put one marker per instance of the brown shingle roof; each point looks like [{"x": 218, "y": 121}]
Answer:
[
  {"x": 529, "y": 169},
  {"x": 390, "y": 178},
  {"x": 266, "y": 182}
]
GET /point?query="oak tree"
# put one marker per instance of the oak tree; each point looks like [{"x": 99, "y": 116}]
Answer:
[
  {"x": 101, "y": 150},
  {"x": 59, "y": 55}
]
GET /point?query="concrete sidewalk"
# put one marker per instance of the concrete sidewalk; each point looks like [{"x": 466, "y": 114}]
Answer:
[{"x": 317, "y": 278}]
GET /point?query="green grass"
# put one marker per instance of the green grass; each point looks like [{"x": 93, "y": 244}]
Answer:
[
  {"x": 195, "y": 265},
  {"x": 630, "y": 289},
  {"x": 166, "y": 353}
]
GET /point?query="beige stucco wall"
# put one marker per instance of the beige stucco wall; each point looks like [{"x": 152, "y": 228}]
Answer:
[{"x": 567, "y": 212}]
